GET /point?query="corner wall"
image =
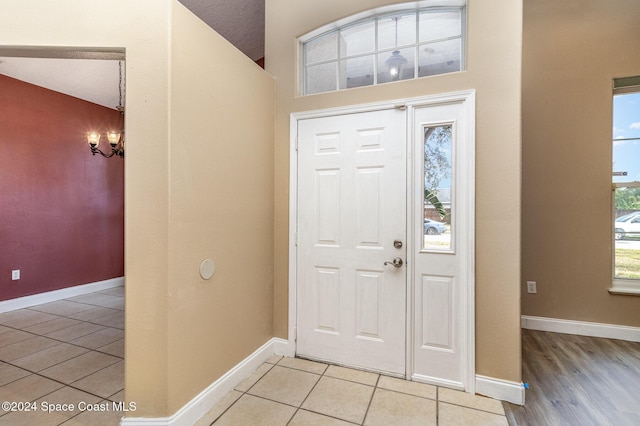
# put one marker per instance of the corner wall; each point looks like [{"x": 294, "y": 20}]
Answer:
[
  {"x": 493, "y": 69},
  {"x": 62, "y": 209},
  {"x": 571, "y": 52}
]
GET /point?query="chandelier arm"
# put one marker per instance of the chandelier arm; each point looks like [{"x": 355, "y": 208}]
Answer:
[{"x": 95, "y": 151}]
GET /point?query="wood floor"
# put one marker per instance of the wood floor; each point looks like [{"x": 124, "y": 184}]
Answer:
[{"x": 578, "y": 380}]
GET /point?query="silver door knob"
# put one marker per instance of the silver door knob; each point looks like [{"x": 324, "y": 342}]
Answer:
[{"x": 397, "y": 262}]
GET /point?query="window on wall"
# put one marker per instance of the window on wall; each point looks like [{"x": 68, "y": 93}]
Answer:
[
  {"x": 626, "y": 185},
  {"x": 391, "y": 46}
]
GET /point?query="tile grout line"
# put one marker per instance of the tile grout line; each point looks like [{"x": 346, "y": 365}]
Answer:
[
  {"x": 375, "y": 388},
  {"x": 312, "y": 388}
]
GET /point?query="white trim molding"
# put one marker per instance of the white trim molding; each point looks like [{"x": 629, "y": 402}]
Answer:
[
  {"x": 205, "y": 400},
  {"x": 63, "y": 293},
  {"x": 503, "y": 390},
  {"x": 582, "y": 328}
]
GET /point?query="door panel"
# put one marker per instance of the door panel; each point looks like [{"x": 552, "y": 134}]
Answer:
[
  {"x": 441, "y": 257},
  {"x": 351, "y": 207}
]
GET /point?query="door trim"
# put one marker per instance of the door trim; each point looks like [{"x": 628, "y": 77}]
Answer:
[{"x": 467, "y": 98}]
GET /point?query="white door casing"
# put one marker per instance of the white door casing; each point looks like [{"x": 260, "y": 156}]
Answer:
[
  {"x": 425, "y": 279},
  {"x": 351, "y": 209}
]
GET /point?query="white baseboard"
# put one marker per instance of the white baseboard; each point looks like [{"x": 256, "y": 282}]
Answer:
[
  {"x": 581, "y": 328},
  {"x": 205, "y": 400},
  {"x": 63, "y": 293},
  {"x": 503, "y": 390}
]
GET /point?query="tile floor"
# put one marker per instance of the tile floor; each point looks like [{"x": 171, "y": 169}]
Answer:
[
  {"x": 72, "y": 351},
  {"x": 64, "y": 352},
  {"x": 294, "y": 392}
]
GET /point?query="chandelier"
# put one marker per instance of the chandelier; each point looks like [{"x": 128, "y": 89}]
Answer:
[
  {"x": 115, "y": 137},
  {"x": 396, "y": 61}
]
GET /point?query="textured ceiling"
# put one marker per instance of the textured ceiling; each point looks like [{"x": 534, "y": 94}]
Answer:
[
  {"x": 241, "y": 22},
  {"x": 93, "y": 76}
]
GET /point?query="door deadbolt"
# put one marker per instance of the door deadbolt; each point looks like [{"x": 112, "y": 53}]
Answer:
[{"x": 397, "y": 244}]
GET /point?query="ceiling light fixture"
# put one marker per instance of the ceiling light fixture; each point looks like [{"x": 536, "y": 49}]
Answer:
[
  {"x": 396, "y": 61},
  {"x": 115, "y": 137}
]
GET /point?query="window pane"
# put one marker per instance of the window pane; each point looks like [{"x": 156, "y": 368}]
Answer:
[
  {"x": 627, "y": 233},
  {"x": 321, "y": 78},
  {"x": 399, "y": 30},
  {"x": 438, "y": 229},
  {"x": 357, "y": 39},
  {"x": 396, "y": 65},
  {"x": 322, "y": 49},
  {"x": 439, "y": 58},
  {"x": 439, "y": 25},
  {"x": 626, "y": 137},
  {"x": 356, "y": 72}
]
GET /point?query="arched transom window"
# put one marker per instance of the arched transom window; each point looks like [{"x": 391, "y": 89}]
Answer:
[{"x": 389, "y": 46}]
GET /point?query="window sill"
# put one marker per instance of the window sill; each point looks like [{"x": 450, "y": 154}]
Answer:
[{"x": 625, "y": 287}]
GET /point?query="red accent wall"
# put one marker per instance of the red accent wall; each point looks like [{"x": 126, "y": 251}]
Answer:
[{"x": 61, "y": 209}]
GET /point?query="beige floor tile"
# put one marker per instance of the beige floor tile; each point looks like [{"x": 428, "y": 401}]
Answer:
[
  {"x": 358, "y": 376},
  {"x": 99, "y": 338},
  {"x": 24, "y": 318},
  {"x": 392, "y": 408},
  {"x": 115, "y": 291},
  {"x": 61, "y": 307},
  {"x": 339, "y": 398},
  {"x": 254, "y": 377},
  {"x": 28, "y": 388},
  {"x": 33, "y": 418},
  {"x": 450, "y": 415},
  {"x": 117, "y": 397},
  {"x": 75, "y": 331},
  {"x": 406, "y": 386},
  {"x": 219, "y": 408},
  {"x": 108, "y": 417},
  {"x": 470, "y": 400},
  {"x": 105, "y": 382},
  {"x": 26, "y": 347},
  {"x": 98, "y": 299},
  {"x": 249, "y": 410},
  {"x": 66, "y": 395},
  {"x": 51, "y": 326},
  {"x": 273, "y": 359},
  {"x": 4, "y": 329},
  {"x": 116, "y": 348},
  {"x": 303, "y": 364},
  {"x": 285, "y": 385},
  {"x": 9, "y": 373},
  {"x": 94, "y": 312},
  {"x": 49, "y": 357},
  {"x": 79, "y": 367},
  {"x": 13, "y": 336},
  {"x": 307, "y": 418},
  {"x": 113, "y": 319}
]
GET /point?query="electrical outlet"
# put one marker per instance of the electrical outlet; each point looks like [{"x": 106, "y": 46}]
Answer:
[
  {"x": 15, "y": 274},
  {"x": 532, "y": 287}
]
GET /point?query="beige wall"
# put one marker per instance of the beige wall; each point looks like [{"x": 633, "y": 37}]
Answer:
[
  {"x": 221, "y": 150},
  {"x": 571, "y": 52},
  {"x": 493, "y": 69},
  {"x": 198, "y": 184}
]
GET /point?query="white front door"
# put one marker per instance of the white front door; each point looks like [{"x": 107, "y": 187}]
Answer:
[
  {"x": 351, "y": 306},
  {"x": 356, "y": 174}
]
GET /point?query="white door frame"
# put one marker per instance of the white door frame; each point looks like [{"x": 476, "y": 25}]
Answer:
[{"x": 467, "y": 98}]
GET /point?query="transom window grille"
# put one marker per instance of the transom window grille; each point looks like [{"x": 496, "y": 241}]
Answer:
[{"x": 390, "y": 47}]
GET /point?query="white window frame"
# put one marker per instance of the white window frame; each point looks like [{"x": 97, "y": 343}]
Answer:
[
  {"x": 373, "y": 15},
  {"x": 626, "y": 286}
]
